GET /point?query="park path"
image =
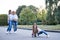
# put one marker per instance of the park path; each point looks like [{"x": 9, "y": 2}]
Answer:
[{"x": 26, "y": 35}]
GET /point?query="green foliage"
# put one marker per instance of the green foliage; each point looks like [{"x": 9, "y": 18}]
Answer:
[
  {"x": 50, "y": 20},
  {"x": 18, "y": 11},
  {"x": 31, "y": 14},
  {"x": 33, "y": 8},
  {"x": 27, "y": 16},
  {"x": 57, "y": 15},
  {"x": 51, "y": 6},
  {"x": 3, "y": 19},
  {"x": 41, "y": 16}
]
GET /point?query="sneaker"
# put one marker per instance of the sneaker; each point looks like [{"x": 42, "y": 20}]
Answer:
[
  {"x": 32, "y": 35},
  {"x": 38, "y": 34},
  {"x": 48, "y": 36},
  {"x": 8, "y": 32},
  {"x": 15, "y": 31}
]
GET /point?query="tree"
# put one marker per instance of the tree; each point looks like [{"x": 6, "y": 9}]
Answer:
[
  {"x": 33, "y": 8},
  {"x": 51, "y": 5},
  {"x": 18, "y": 11},
  {"x": 27, "y": 16},
  {"x": 57, "y": 15},
  {"x": 41, "y": 15}
]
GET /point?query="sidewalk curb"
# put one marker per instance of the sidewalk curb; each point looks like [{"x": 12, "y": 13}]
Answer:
[{"x": 56, "y": 31}]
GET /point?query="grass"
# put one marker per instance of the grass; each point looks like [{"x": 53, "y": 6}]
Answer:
[{"x": 45, "y": 27}]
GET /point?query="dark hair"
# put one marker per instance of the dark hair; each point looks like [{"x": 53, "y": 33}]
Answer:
[{"x": 9, "y": 11}]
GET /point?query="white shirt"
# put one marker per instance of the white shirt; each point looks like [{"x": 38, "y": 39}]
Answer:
[
  {"x": 15, "y": 17},
  {"x": 11, "y": 17},
  {"x": 39, "y": 30}
]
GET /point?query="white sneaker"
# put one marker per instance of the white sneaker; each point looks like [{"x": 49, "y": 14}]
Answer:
[
  {"x": 8, "y": 32},
  {"x": 48, "y": 36},
  {"x": 37, "y": 35},
  {"x": 15, "y": 32}
]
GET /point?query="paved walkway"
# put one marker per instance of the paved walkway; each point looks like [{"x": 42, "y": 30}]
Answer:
[{"x": 26, "y": 35}]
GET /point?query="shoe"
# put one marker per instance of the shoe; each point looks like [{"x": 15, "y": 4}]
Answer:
[
  {"x": 48, "y": 36},
  {"x": 8, "y": 32},
  {"x": 15, "y": 31},
  {"x": 32, "y": 35},
  {"x": 35, "y": 35},
  {"x": 38, "y": 34}
]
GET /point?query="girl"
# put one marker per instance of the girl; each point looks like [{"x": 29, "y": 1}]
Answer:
[
  {"x": 34, "y": 30},
  {"x": 38, "y": 31},
  {"x": 9, "y": 18},
  {"x": 15, "y": 21},
  {"x": 9, "y": 13}
]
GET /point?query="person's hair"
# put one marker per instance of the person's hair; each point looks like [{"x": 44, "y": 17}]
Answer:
[
  {"x": 34, "y": 23},
  {"x": 34, "y": 28},
  {"x": 9, "y": 11},
  {"x": 13, "y": 12}
]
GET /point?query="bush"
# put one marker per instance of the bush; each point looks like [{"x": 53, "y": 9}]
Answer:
[
  {"x": 3, "y": 19},
  {"x": 27, "y": 17},
  {"x": 39, "y": 23}
]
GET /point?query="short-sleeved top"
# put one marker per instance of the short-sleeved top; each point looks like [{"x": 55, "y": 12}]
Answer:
[
  {"x": 11, "y": 17},
  {"x": 39, "y": 30}
]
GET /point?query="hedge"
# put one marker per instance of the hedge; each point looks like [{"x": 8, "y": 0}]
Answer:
[{"x": 3, "y": 19}]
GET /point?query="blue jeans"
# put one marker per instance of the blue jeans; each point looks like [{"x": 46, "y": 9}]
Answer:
[
  {"x": 14, "y": 23},
  {"x": 42, "y": 32}
]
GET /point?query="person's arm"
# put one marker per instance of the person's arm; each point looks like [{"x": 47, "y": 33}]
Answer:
[
  {"x": 32, "y": 29},
  {"x": 16, "y": 18},
  {"x": 36, "y": 29},
  {"x": 8, "y": 18}
]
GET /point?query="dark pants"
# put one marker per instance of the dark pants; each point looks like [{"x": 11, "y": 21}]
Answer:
[{"x": 42, "y": 32}]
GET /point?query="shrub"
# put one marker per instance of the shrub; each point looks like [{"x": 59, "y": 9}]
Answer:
[{"x": 3, "y": 19}]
